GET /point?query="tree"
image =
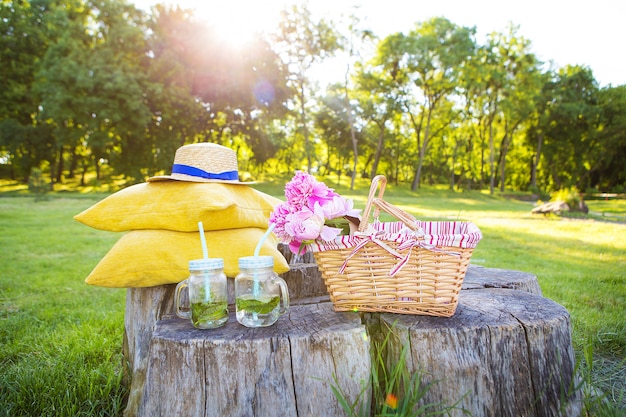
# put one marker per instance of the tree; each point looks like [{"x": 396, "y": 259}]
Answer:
[
  {"x": 571, "y": 139},
  {"x": 378, "y": 101},
  {"x": 522, "y": 83},
  {"x": 302, "y": 43},
  {"x": 425, "y": 66},
  {"x": 491, "y": 77},
  {"x": 26, "y": 31},
  {"x": 210, "y": 90},
  {"x": 334, "y": 121},
  {"x": 538, "y": 123},
  {"x": 91, "y": 83},
  {"x": 608, "y": 171}
]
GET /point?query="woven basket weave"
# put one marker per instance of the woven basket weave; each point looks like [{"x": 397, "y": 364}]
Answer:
[{"x": 395, "y": 267}]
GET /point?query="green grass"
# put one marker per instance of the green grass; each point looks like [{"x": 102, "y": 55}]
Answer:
[
  {"x": 61, "y": 340},
  {"x": 611, "y": 210}
]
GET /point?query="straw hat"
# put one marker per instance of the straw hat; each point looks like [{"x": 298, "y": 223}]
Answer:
[{"x": 204, "y": 162}]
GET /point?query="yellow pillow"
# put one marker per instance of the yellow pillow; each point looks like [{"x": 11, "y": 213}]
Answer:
[
  {"x": 179, "y": 206},
  {"x": 145, "y": 258}
]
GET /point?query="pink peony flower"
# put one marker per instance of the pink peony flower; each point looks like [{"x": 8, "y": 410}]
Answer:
[
  {"x": 279, "y": 218},
  {"x": 304, "y": 225},
  {"x": 304, "y": 190},
  {"x": 338, "y": 207},
  {"x": 295, "y": 246},
  {"x": 310, "y": 204}
]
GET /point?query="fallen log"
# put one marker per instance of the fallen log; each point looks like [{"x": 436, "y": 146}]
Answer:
[{"x": 553, "y": 207}]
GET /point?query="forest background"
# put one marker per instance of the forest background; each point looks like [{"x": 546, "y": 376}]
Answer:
[
  {"x": 97, "y": 95},
  {"x": 101, "y": 89}
]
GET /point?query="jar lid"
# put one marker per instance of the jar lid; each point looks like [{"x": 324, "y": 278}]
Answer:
[
  {"x": 248, "y": 262},
  {"x": 206, "y": 263}
]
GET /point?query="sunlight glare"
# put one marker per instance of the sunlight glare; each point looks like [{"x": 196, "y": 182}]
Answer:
[{"x": 236, "y": 22}]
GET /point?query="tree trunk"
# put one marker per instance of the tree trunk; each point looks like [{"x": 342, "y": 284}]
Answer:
[
  {"x": 97, "y": 166},
  {"x": 305, "y": 130},
  {"x": 60, "y": 167},
  {"x": 379, "y": 148},
  {"x": 504, "y": 148},
  {"x": 355, "y": 150},
  {"x": 418, "y": 172},
  {"x": 492, "y": 174},
  {"x": 83, "y": 174},
  {"x": 482, "y": 158},
  {"x": 73, "y": 162},
  {"x": 285, "y": 369},
  {"x": 455, "y": 151},
  {"x": 504, "y": 353},
  {"x": 492, "y": 151},
  {"x": 533, "y": 174}
]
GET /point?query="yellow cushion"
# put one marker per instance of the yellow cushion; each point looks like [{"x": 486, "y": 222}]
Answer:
[
  {"x": 145, "y": 258},
  {"x": 179, "y": 206}
]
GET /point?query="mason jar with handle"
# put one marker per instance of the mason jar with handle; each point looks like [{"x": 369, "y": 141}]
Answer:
[
  {"x": 208, "y": 296},
  {"x": 261, "y": 296}
]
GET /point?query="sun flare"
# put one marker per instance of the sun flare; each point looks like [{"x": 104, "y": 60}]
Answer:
[{"x": 237, "y": 22}]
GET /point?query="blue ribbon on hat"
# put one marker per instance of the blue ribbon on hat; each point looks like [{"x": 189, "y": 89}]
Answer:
[{"x": 197, "y": 172}]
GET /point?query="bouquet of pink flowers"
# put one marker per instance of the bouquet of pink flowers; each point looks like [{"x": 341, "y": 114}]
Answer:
[{"x": 312, "y": 211}]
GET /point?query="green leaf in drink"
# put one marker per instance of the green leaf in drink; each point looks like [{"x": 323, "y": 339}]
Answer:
[
  {"x": 259, "y": 306},
  {"x": 206, "y": 312}
]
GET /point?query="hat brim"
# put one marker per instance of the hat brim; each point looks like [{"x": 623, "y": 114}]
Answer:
[{"x": 190, "y": 178}]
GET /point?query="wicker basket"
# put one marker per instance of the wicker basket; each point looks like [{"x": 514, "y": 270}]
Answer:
[{"x": 406, "y": 267}]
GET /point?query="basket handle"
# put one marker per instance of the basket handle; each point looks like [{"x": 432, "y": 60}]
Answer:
[{"x": 379, "y": 204}]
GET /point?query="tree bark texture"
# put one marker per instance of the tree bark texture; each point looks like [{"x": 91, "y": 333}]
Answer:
[
  {"x": 506, "y": 352},
  {"x": 285, "y": 369}
]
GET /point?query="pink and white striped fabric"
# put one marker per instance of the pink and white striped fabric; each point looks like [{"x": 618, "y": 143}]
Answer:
[{"x": 433, "y": 234}]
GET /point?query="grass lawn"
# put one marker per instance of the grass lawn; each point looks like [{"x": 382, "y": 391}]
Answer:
[{"x": 61, "y": 340}]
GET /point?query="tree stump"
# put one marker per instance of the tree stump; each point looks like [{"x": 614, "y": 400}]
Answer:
[
  {"x": 503, "y": 335},
  {"x": 503, "y": 353},
  {"x": 285, "y": 369},
  {"x": 478, "y": 278},
  {"x": 144, "y": 308}
]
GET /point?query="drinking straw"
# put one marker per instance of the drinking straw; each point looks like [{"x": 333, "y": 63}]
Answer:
[
  {"x": 205, "y": 251},
  {"x": 263, "y": 238},
  {"x": 205, "y": 255},
  {"x": 257, "y": 250}
]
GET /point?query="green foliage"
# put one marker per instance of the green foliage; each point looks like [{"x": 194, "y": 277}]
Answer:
[
  {"x": 392, "y": 390},
  {"x": 572, "y": 145},
  {"x": 101, "y": 87},
  {"x": 596, "y": 402},
  {"x": 304, "y": 42},
  {"x": 429, "y": 58},
  {"x": 38, "y": 185},
  {"x": 571, "y": 196},
  {"x": 610, "y": 168}
]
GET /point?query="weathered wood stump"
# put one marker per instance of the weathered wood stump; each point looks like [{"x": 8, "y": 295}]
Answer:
[
  {"x": 503, "y": 353},
  {"x": 507, "y": 348},
  {"x": 285, "y": 369},
  {"x": 144, "y": 308},
  {"x": 478, "y": 278}
]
